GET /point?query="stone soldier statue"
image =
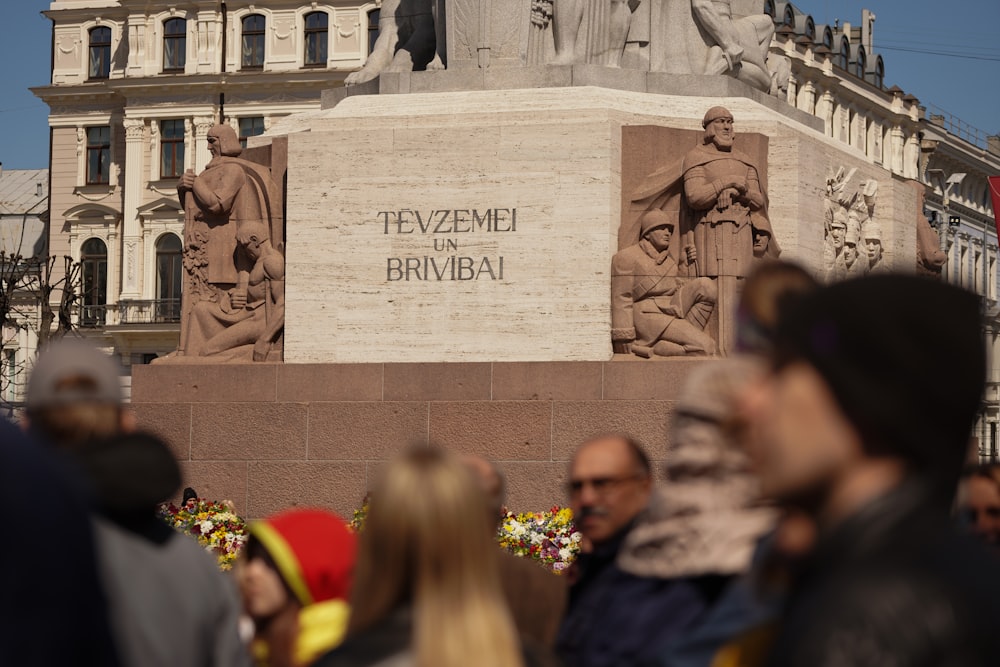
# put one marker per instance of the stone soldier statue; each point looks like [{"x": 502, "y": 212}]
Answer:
[
  {"x": 228, "y": 194},
  {"x": 411, "y": 37},
  {"x": 653, "y": 309},
  {"x": 723, "y": 192}
]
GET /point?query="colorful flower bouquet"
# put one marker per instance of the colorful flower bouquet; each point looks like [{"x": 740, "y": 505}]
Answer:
[
  {"x": 547, "y": 537},
  {"x": 215, "y": 525}
]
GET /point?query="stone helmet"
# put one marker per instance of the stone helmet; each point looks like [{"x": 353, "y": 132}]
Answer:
[
  {"x": 652, "y": 219},
  {"x": 853, "y": 235},
  {"x": 872, "y": 232},
  {"x": 714, "y": 114},
  {"x": 229, "y": 143}
]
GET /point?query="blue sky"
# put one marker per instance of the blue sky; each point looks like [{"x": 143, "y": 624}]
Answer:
[{"x": 944, "y": 53}]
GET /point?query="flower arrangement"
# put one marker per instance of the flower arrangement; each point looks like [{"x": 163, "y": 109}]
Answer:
[
  {"x": 215, "y": 525},
  {"x": 547, "y": 537},
  {"x": 357, "y": 522}
]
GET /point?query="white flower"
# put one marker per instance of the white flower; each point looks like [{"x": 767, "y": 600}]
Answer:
[
  {"x": 206, "y": 526},
  {"x": 565, "y": 554}
]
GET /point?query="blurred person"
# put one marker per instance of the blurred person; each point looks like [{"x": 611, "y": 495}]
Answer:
[
  {"x": 757, "y": 313},
  {"x": 615, "y": 617},
  {"x": 75, "y": 395},
  {"x": 850, "y": 428},
  {"x": 537, "y": 616},
  {"x": 296, "y": 580},
  {"x": 53, "y": 611},
  {"x": 426, "y": 589},
  {"x": 168, "y": 602},
  {"x": 979, "y": 503},
  {"x": 704, "y": 523}
]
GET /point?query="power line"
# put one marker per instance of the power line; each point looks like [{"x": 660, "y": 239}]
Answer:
[{"x": 937, "y": 53}]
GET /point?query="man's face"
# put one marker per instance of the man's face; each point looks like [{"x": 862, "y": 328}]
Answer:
[
  {"x": 606, "y": 488},
  {"x": 760, "y": 243},
  {"x": 979, "y": 504},
  {"x": 874, "y": 249},
  {"x": 721, "y": 131},
  {"x": 252, "y": 249},
  {"x": 214, "y": 145},
  {"x": 797, "y": 437},
  {"x": 837, "y": 233},
  {"x": 660, "y": 237},
  {"x": 850, "y": 253}
]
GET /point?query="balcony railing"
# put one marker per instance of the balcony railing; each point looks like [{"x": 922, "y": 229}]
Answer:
[
  {"x": 92, "y": 317},
  {"x": 157, "y": 311}
]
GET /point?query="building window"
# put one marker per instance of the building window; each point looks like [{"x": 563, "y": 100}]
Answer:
[
  {"x": 168, "y": 279},
  {"x": 845, "y": 54},
  {"x": 171, "y": 148},
  {"x": 94, "y": 261},
  {"x": 174, "y": 44},
  {"x": 769, "y": 8},
  {"x": 789, "y": 18},
  {"x": 374, "y": 16},
  {"x": 811, "y": 29},
  {"x": 828, "y": 39},
  {"x": 253, "y": 42},
  {"x": 98, "y": 155},
  {"x": 100, "y": 53},
  {"x": 861, "y": 64},
  {"x": 879, "y": 79},
  {"x": 315, "y": 32},
  {"x": 250, "y": 127}
]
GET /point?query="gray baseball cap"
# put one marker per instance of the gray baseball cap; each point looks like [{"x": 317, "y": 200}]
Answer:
[{"x": 73, "y": 371}]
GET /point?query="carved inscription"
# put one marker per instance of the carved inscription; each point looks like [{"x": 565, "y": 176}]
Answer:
[{"x": 452, "y": 222}]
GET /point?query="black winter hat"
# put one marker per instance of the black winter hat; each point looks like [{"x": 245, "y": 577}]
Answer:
[{"x": 905, "y": 357}]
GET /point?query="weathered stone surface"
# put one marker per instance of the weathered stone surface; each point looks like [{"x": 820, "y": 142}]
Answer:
[
  {"x": 547, "y": 381},
  {"x": 276, "y": 485},
  {"x": 365, "y": 431},
  {"x": 576, "y": 421},
  {"x": 248, "y": 431},
  {"x": 503, "y": 430},
  {"x": 216, "y": 480},
  {"x": 169, "y": 421}
]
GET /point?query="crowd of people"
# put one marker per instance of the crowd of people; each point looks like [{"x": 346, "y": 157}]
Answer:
[{"x": 816, "y": 509}]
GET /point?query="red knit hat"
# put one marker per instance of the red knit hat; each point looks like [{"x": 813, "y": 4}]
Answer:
[{"x": 314, "y": 552}]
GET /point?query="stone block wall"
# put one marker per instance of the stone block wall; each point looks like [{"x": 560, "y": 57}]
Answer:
[{"x": 269, "y": 436}]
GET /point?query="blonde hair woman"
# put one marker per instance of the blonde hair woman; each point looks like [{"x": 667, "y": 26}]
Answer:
[{"x": 426, "y": 589}]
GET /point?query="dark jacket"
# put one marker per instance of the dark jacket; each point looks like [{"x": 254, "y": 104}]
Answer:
[
  {"x": 893, "y": 585},
  {"x": 618, "y": 619}
]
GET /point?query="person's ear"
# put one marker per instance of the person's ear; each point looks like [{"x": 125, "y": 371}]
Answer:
[{"x": 127, "y": 421}]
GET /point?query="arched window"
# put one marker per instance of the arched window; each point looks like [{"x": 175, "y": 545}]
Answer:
[
  {"x": 174, "y": 44},
  {"x": 315, "y": 33},
  {"x": 252, "y": 54},
  {"x": 845, "y": 54},
  {"x": 94, "y": 269},
  {"x": 810, "y": 29},
  {"x": 879, "y": 78},
  {"x": 769, "y": 8},
  {"x": 861, "y": 64},
  {"x": 100, "y": 53},
  {"x": 168, "y": 279},
  {"x": 373, "y": 31},
  {"x": 789, "y": 18},
  {"x": 828, "y": 38}
]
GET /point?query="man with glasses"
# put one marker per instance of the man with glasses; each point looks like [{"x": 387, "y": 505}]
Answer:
[{"x": 614, "y": 617}]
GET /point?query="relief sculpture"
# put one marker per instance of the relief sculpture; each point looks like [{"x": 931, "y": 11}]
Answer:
[
  {"x": 852, "y": 238},
  {"x": 411, "y": 37},
  {"x": 714, "y": 203},
  {"x": 233, "y": 297}
]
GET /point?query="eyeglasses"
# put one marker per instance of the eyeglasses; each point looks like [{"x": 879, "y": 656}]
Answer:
[{"x": 600, "y": 485}]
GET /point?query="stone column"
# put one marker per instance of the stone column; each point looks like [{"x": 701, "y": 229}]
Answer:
[
  {"x": 896, "y": 150},
  {"x": 134, "y": 144},
  {"x": 202, "y": 124}
]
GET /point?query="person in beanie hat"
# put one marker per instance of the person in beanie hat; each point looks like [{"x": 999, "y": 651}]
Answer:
[
  {"x": 296, "y": 583},
  {"x": 851, "y": 428}
]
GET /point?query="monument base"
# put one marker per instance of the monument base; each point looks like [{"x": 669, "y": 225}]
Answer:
[{"x": 271, "y": 436}]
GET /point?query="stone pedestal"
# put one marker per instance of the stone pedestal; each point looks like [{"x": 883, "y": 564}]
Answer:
[{"x": 480, "y": 226}]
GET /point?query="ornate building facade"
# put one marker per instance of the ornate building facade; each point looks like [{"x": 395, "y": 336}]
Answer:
[{"x": 136, "y": 86}]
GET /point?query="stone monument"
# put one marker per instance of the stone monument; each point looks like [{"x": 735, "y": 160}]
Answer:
[
  {"x": 233, "y": 295},
  {"x": 505, "y": 255}
]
